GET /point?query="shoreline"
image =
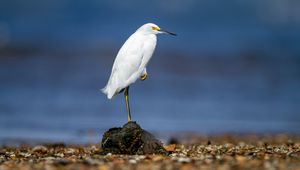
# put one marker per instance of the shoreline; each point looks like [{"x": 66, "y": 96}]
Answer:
[{"x": 194, "y": 152}]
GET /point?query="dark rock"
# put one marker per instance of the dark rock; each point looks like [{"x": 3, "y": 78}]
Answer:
[
  {"x": 173, "y": 140},
  {"x": 130, "y": 139}
]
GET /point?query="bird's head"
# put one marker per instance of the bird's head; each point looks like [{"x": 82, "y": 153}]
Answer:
[{"x": 153, "y": 29}]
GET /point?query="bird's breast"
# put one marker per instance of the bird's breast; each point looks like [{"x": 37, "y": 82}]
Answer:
[{"x": 149, "y": 45}]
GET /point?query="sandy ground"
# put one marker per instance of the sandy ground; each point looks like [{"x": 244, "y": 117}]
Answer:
[{"x": 193, "y": 152}]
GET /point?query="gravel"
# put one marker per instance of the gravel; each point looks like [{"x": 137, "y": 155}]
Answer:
[{"x": 193, "y": 152}]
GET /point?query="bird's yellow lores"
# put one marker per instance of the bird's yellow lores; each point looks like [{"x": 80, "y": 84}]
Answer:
[{"x": 131, "y": 61}]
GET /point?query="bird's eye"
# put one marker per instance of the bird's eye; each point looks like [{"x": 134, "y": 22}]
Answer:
[{"x": 155, "y": 28}]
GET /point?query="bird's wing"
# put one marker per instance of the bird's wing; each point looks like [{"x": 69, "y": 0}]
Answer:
[
  {"x": 129, "y": 57},
  {"x": 126, "y": 64},
  {"x": 148, "y": 49}
]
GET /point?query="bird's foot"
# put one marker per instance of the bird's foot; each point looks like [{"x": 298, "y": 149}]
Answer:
[{"x": 144, "y": 77}]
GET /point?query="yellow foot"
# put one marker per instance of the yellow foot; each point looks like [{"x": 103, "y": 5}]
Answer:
[{"x": 144, "y": 77}]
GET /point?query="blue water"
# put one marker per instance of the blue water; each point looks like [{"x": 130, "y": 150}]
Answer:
[
  {"x": 42, "y": 98},
  {"x": 234, "y": 67}
]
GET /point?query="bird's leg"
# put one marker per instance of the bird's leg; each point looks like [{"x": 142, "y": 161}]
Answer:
[
  {"x": 127, "y": 103},
  {"x": 144, "y": 77}
]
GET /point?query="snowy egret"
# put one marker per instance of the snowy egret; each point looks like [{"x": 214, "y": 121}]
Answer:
[{"x": 131, "y": 61}]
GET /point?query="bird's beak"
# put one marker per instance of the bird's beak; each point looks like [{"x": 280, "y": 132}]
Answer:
[{"x": 167, "y": 32}]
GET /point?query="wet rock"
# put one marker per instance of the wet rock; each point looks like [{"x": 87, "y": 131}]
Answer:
[{"x": 130, "y": 139}]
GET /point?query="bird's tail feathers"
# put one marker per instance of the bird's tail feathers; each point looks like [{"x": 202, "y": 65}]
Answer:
[
  {"x": 107, "y": 92},
  {"x": 104, "y": 90}
]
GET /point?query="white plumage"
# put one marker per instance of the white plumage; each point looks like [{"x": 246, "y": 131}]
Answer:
[{"x": 131, "y": 61}]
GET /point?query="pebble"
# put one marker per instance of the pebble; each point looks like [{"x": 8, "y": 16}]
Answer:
[
  {"x": 184, "y": 160},
  {"x": 258, "y": 153},
  {"x": 132, "y": 161},
  {"x": 91, "y": 161},
  {"x": 173, "y": 154},
  {"x": 70, "y": 151},
  {"x": 26, "y": 155},
  {"x": 170, "y": 148},
  {"x": 40, "y": 148}
]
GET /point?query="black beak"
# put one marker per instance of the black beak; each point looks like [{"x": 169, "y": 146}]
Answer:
[{"x": 167, "y": 32}]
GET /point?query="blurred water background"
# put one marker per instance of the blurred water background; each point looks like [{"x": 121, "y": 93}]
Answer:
[{"x": 234, "y": 67}]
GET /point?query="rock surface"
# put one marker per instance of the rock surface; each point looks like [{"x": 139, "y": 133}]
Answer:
[{"x": 131, "y": 139}]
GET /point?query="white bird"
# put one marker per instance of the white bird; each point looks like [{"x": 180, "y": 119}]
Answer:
[{"x": 131, "y": 61}]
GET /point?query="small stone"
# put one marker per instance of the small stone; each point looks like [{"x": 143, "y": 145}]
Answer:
[
  {"x": 173, "y": 154},
  {"x": 241, "y": 159},
  {"x": 12, "y": 156},
  {"x": 103, "y": 167},
  {"x": 157, "y": 158},
  {"x": 49, "y": 159},
  {"x": 132, "y": 161},
  {"x": 60, "y": 155},
  {"x": 39, "y": 149},
  {"x": 209, "y": 156},
  {"x": 70, "y": 151},
  {"x": 141, "y": 157},
  {"x": 92, "y": 161},
  {"x": 170, "y": 148},
  {"x": 94, "y": 148},
  {"x": 184, "y": 160},
  {"x": 61, "y": 162},
  {"x": 26, "y": 155}
]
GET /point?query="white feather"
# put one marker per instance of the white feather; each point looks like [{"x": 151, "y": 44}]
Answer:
[{"x": 131, "y": 60}]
